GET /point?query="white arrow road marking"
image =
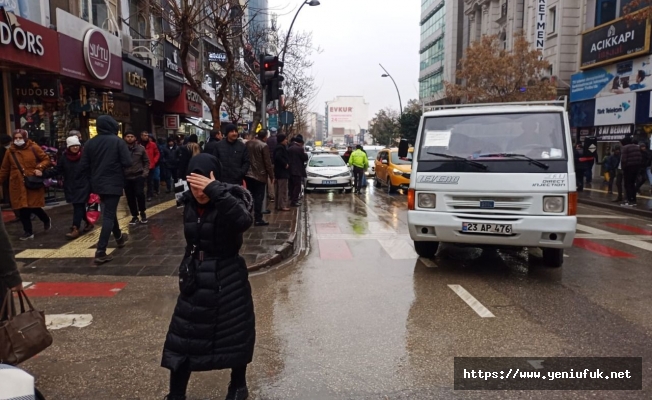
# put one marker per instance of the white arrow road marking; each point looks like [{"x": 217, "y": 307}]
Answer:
[
  {"x": 536, "y": 364},
  {"x": 471, "y": 301},
  {"x": 60, "y": 321},
  {"x": 27, "y": 284},
  {"x": 428, "y": 262}
]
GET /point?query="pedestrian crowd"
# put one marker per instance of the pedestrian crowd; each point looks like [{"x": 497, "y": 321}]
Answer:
[
  {"x": 226, "y": 184},
  {"x": 628, "y": 165}
]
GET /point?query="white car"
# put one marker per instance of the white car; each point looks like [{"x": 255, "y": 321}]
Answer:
[
  {"x": 372, "y": 153},
  {"x": 328, "y": 171}
]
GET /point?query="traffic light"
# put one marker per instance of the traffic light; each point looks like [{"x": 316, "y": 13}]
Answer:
[
  {"x": 269, "y": 68},
  {"x": 274, "y": 88}
]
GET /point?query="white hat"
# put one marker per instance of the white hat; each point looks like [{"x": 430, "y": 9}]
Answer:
[{"x": 72, "y": 141}]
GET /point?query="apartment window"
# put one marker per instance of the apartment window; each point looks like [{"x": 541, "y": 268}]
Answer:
[
  {"x": 608, "y": 10},
  {"x": 101, "y": 13},
  {"x": 551, "y": 25}
]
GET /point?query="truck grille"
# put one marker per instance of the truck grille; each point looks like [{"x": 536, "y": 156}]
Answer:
[{"x": 472, "y": 203}]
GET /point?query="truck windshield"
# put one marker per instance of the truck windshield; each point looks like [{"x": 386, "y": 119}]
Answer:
[{"x": 490, "y": 137}]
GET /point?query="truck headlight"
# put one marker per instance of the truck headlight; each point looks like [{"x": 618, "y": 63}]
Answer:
[
  {"x": 397, "y": 172},
  {"x": 427, "y": 200},
  {"x": 553, "y": 204}
]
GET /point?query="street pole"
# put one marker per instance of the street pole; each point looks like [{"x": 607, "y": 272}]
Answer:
[
  {"x": 287, "y": 38},
  {"x": 399, "y": 93},
  {"x": 263, "y": 108}
]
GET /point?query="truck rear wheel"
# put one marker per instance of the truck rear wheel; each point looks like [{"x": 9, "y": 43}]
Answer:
[
  {"x": 553, "y": 258},
  {"x": 426, "y": 249}
]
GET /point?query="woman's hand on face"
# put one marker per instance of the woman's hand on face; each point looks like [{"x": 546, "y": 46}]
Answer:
[
  {"x": 199, "y": 181},
  {"x": 38, "y": 172}
]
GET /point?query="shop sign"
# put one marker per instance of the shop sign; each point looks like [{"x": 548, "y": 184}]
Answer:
[
  {"x": 88, "y": 53},
  {"x": 171, "y": 121},
  {"x": 34, "y": 88},
  {"x": 172, "y": 62},
  {"x": 623, "y": 77},
  {"x": 27, "y": 43},
  {"x": 613, "y": 41},
  {"x": 615, "y": 110},
  {"x": 194, "y": 101},
  {"x": 541, "y": 24},
  {"x": 218, "y": 57},
  {"x": 97, "y": 54},
  {"x": 613, "y": 133},
  {"x": 135, "y": 82}
]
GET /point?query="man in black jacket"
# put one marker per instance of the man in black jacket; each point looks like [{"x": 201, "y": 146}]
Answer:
[
  {"x": 216, "y": 137},
  {"x": 234, "y": 157},
  {"x": 104, "y": 159},
  {"x": 298, "y": 157},
  {"x": 135, "y": 176},
  {"x": 631, "y": 161}
]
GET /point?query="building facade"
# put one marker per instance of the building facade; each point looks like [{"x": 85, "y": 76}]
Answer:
[
  {"x": 611, "y": 95},
  {"x": 441, "y": 47},
  {"x": 553, "y": 26},
  {"x": 347, "y": 116},
  {"x": 258, "y": 24},
  {"x": 113, "y": 57}
]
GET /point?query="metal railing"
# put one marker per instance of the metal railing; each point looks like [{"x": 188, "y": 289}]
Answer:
[{"x": 560, "y": 102}]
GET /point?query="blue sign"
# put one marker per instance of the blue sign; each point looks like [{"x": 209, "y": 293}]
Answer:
[
  {"x": 287, "y": 118},
  {"x": 624, "y": 77},
  {"x": 272, "y": 122}
]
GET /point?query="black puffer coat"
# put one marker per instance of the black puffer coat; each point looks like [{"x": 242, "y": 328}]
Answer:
[
  {"x": 631, "y": 157},
  {"x": 214, "y": 328},
  {"x": 235, "y": 160},
  {"x": 104, "y": 158},
  {"x": 76, "y": 186}
]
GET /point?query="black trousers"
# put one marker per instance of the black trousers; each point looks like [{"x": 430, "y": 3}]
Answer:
[
  {"x": 109, "y": 221},
  {"x": 257, "y": 189},
  {"x": 579, "y": 179},
  {"x": 152, "y": 184},
  {"x": 179, "y": 379},
  {"x": 78, "y": 214},
  {"x": 295, "y": 188},
  {"x": 619, "y": 183},
  {"x": 630, "y": 176},
  {"x": 357, "y": 178},
  {"x": 26, "y": 218},
  {"x": 135, "y": 192}
]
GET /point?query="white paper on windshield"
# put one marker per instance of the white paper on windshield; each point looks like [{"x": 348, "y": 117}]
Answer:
[
  {"x": 555, "y": 153},
  {"x": 437, "y": 139}
]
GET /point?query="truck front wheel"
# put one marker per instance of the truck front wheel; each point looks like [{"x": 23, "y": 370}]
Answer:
[
  {"x": 426, "y": 249},
  {"x": 553, "y": 258}
]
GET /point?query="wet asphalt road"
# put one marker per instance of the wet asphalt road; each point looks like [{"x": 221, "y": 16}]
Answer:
[{"x": 361, "y": 317}]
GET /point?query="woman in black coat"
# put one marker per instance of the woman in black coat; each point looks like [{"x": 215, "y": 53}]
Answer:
[
  {"x": 76, "y": 186},
  {"x": 213, "y": 327}
]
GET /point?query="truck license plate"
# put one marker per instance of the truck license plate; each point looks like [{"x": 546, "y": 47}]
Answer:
[
  {"x": 491, "y": 229},
  {"x": 329, "y": 182}
]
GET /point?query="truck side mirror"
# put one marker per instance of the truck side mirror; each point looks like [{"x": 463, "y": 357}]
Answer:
[{"x": 403, "y": 147}]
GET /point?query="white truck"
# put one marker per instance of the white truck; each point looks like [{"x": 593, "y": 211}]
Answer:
[{"x": 494, "y": 175}]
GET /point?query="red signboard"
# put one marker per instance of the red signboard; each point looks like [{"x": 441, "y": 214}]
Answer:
[
  {"x": 97, "y": 54},
  {"x": 27, "y": 43},
  {"x": 188, "y": 103},
  {"x": 74, "y": 63},
  {"x": 171, "y": 122}
]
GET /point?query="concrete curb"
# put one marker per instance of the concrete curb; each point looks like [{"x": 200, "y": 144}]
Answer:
[
  {"x": 616, "y": 207},
  {"x": 287, "y": 250}
]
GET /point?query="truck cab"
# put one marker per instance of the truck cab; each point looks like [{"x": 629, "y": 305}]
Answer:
[{"x": 494, "y": 175}]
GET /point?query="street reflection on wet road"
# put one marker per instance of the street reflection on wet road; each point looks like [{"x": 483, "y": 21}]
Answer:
[{"x": 362, "y": 317}]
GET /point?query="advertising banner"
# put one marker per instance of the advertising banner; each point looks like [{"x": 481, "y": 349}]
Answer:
[
  {"x": 615, "y": 110},
  {"x": 340, "y": 114},
  {"x": 614, "y": 41},
  {"x": 624, "y": 77}
]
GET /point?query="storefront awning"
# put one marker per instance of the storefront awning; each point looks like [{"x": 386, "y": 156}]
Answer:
[{"x": 198, "y": 122}]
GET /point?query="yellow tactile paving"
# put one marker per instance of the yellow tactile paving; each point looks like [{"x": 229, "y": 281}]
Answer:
[{"x": 79, "y": 248}]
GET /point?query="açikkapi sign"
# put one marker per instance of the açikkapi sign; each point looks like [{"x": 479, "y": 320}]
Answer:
[{"x": 541, "y": 15}]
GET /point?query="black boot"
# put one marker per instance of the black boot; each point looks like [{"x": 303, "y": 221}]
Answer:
[{"x": 241, "y": 393}]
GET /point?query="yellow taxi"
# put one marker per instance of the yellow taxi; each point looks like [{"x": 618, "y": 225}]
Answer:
[{"x": 393, "y": 171}]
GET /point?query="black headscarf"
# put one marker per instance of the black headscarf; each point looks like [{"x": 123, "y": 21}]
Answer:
[{"x": 203, "y": 164}]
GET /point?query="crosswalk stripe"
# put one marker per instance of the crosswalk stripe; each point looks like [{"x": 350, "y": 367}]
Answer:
[
  {"x": 468, "y": 298},
  {"x": 399, "y": 249}
]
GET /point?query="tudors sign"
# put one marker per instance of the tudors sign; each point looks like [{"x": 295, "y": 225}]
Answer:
[
  {"x": 614, "y": 41},
  {"x": 27, "y": 43}
]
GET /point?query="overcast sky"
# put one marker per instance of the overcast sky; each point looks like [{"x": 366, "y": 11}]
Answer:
[{"x": 356, "y": 35}]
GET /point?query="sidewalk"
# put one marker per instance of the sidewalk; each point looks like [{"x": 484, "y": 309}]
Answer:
[
  {"x": 600, "y": 198},
  {"x": 155, "y": 249}
]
